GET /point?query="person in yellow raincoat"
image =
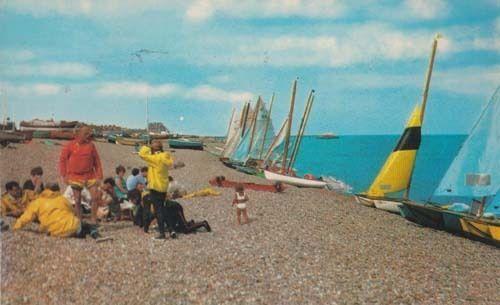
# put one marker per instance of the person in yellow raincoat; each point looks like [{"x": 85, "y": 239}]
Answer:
[
  {"x": 55, "y": 215},
  {"x": 12, "y": 201},
  {"x": 158, "y": 164}
]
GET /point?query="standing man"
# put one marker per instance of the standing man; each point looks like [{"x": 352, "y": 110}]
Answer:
[
  {"x": 80, "y": 167},
  {"x": 158, "y": 164}
]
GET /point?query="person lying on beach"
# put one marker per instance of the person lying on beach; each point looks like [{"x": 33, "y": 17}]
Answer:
[
  {"x": 177, "y": 222},
  {"x": 120, "y": 183},
  {"x": 240, "y": 199},
  {"x": 55, "y": 215},
  {"x": 12, "y": 201},
  {"x": 80, "y": 167},
  {"x": 159, "y": 163}
]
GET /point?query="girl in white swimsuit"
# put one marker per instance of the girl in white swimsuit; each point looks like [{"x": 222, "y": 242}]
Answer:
[{"x": 240, "y": 199}]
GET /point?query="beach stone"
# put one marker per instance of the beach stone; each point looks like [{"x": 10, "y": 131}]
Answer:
[{"x": 302, "y": 246}]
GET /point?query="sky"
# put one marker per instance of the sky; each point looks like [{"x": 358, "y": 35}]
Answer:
[{"x": 193, "y": 61}]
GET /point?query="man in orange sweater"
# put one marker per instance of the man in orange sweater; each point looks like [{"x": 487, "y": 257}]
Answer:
[{"x": 80, "y": 167}]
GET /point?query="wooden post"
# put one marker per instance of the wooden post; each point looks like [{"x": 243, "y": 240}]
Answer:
[{"x": 289, "y": 127}]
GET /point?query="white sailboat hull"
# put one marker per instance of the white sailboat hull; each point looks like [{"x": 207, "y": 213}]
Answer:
[
  {"x": 365, "y": 201},
  {"x": 294, "y": 180},
  {"x": 386, "y": 205}
]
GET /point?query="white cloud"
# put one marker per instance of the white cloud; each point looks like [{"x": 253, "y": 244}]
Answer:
[
  {"x": 470, "y": 80},
  {"x": 355, "y": 44},
  {"x": 16, "y": 55},
  {"x": 51, "y": 69},
  {"x": 209, "y": 93},
  {"x": 170, "y": 90},
  {"x": 197, "y": 10},
  {"x": 91, "y": 8},
  {"x": 201, "y": 10},
  {"x": 427, "y": 9},
  {"x": 137, "y": 89},
  {"x": 30, "y": 90}
]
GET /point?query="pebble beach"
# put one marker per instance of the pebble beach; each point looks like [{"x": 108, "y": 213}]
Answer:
[{"x": 302, "y": 246}]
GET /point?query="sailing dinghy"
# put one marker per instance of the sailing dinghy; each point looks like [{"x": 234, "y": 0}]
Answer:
[
  {"x": 395, "y": 175},
  {"x": 284, "y": 172},
  {"x": 471, "y": 186}
]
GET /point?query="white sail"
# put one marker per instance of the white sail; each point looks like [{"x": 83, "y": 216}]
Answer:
[
  {"x": 475, "y": 171},
  {"x": 232, "y": 135},
  {"x": 278, "y": 140}
]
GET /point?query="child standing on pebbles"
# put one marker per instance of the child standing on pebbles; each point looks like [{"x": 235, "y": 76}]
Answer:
[{"x": 240, "y": 197}]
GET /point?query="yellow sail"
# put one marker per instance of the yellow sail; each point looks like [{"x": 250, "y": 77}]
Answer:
[{"x": 396, "y": 173}]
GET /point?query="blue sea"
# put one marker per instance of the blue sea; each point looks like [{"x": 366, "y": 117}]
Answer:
[{"x": 356, "y": 160}]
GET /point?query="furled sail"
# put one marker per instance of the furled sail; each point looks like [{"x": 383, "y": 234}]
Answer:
[
  {"x": 475, "y": 171},
  {"x": 232, "y": 135},
  {"x": 272, "y": 151},
  {"x": 251, "y": 142},
  {"x": 396, "y": 173},
  {"x": 262, "y": 139}
]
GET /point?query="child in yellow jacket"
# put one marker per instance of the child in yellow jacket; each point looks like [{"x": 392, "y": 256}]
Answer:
[{"x": 12, "y": 201}]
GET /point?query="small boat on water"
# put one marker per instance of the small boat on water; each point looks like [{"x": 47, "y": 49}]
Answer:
[
  {"x": 185, "y": 144},
  {"x": 300, "y": 182},
  {"x": 327, "y": 136}
]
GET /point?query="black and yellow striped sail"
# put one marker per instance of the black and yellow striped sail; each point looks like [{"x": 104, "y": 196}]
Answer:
[{"x": 396, "y": 173}]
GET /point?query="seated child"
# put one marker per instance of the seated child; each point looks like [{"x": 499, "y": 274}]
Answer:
[
  {"x": 135, "y": 197},
  {"x": 12, "y": 201},
  {"x": 109, "y": 199},
  {"x": 33, "y": 186},
  {"x": 120, "y": 183}
]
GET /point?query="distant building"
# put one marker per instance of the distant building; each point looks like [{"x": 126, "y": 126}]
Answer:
[{"x": 158, "y": 128}]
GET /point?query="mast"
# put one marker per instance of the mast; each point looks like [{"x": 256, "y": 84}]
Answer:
[
  {"x": 424, "y": 101},
  {"x": 289, "y": 126},
  {"x": 244, "y": 118},
  {"x": 267, "y": 127},
  {"x": 254, "y": 123},
  {"x": 230, "y": 123},
  {"x": 303, "y": 124}
]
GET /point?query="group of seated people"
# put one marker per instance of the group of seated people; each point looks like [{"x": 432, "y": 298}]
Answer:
[{"x": 117, "y": 198}]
